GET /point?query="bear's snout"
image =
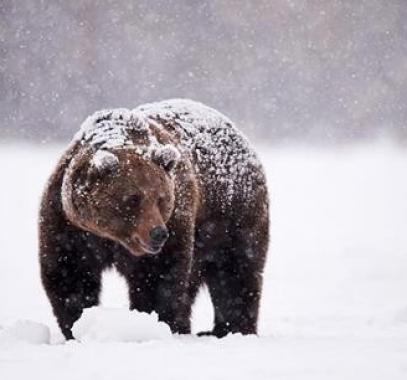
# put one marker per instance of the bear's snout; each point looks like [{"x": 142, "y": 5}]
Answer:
[{"x": 159, "y": 235}]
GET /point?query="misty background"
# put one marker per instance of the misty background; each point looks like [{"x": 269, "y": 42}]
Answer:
[{"x": 283, "y": 70}]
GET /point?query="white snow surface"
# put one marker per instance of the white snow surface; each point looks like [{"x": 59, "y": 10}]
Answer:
[
  {"x": 25, "y": 331},
  {"x": 334, "y": 303},
  {"x": 102, "y": 324}
]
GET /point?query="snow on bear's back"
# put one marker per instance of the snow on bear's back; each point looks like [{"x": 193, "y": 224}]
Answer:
[
  {"x": 190, "y": 114},
  {"x": 223, "y": 159},
  {"x": 222, "y": 153}
]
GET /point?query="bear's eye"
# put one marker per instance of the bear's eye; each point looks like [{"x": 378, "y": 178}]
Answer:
[{"x": 131, "y": 202}]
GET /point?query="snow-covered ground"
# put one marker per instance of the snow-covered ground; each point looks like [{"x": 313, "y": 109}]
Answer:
[{"x": 335, "y": 291}]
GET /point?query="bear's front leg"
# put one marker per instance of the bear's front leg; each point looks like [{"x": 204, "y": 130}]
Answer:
[
  {"x": 173, "y": 303},
  {"x": 71, "y": 283},
  {"x": 70, "y": 293}
]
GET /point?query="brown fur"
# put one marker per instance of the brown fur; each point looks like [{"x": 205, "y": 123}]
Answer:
[{"x": 108, "y": 222}]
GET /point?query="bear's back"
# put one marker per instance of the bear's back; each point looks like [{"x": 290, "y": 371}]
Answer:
[{"x": 227, "y": 167}]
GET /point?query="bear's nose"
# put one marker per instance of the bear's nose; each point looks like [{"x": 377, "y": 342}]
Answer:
[{"x": 159, "y": 234}]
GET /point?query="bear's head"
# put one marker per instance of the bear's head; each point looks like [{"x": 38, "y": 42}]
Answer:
[{"x": 123, "y": 196}]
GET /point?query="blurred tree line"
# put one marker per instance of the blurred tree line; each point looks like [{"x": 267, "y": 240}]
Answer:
[{"x": 318, "y": 70}]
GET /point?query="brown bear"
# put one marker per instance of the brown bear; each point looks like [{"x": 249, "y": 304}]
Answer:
[{"x": 174, "y": 197}]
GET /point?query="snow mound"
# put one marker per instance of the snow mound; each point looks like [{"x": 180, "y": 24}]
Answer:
[
  {"x": 119, "y": 325},
  {"x": 25, "y": 331}
]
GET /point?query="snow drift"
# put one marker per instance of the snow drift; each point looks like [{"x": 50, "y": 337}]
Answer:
[
  {"x": 118, "y": 325},
  {"x": 334, "y": 303}
]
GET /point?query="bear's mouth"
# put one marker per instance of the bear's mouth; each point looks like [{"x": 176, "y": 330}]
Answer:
[{"x": 135, "y": 245}]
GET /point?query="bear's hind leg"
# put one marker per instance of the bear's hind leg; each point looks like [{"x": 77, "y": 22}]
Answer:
[{"x": 234, "y": 283}]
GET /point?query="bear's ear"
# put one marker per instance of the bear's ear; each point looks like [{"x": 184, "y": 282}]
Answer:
[
  {"x": 166, "y": 156},
  {"x": 102, "y": 163}
]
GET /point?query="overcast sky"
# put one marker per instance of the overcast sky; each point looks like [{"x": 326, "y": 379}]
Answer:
[{"x": 282, "y": 70}]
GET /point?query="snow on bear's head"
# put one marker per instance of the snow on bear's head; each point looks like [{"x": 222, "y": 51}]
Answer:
[{"x": 125, "y": 195}]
